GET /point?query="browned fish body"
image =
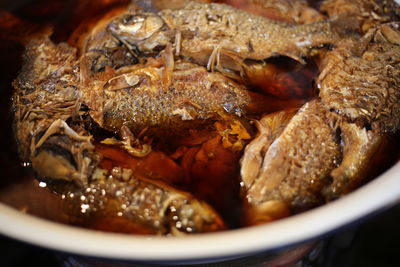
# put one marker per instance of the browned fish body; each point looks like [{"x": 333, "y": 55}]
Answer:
[
  {"x": 194, "y": 98},
  {"x": 361, "y": 84},
  {"x": 315, "y": 158},
  {"x": 145, "y": 206},
  {"x": 194, "y": 95},
  {"x": 295, "y": 166},
  {"x": 364, "y": 85},
  {"x": 220, "y": 35},
  {"x": 133, "y": 92},
  {"x": 46, "y": 96},
  {"x": 326, "y": 149}
]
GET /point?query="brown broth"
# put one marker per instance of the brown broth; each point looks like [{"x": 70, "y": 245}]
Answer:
[{"x": 206, "y": 180}]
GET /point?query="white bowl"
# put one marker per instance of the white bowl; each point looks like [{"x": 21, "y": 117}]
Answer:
[{"x": 379, "y": 194}]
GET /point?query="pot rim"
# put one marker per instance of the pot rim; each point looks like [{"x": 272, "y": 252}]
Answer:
[{"x": 311, "y": 224}]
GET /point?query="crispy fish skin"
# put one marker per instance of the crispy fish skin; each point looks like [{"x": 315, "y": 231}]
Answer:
[
  {"x": 365, "y": 87},
  {"x": 45, "y": 97},
  {"x": 368, "y": 104},
  {"x": 193, "y": 97},
  {"x": 297, "y": 164},
  {"x": 204, "y": 30}
]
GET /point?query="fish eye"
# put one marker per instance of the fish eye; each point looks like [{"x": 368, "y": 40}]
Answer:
[
  {"x": 137, "y": 27},
  {"x": 132, "y": 19}
]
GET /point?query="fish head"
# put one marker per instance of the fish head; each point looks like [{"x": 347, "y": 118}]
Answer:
[{"x": 138, "y": 29}]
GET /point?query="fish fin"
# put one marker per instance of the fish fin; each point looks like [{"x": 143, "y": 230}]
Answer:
[
  {"x": 178, "y": 43},
  {"x": 169, "y": 63},
  {"x": 214, "y": 58}
]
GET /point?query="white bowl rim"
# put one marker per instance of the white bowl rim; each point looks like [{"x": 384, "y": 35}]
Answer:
[{"x": 376, "y": 195}]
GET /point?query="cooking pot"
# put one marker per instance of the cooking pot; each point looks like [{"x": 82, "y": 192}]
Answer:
[
  {"x": 372, "y": 198},
  {"x": 377, "y": 195}
]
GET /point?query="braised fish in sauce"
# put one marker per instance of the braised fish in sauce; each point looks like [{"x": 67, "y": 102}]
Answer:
[{"x": 90, "y": 120}]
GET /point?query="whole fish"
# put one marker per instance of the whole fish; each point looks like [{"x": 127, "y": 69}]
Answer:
[
  {"x": 140, "y": 206},
  {"x": 218, "y": 35},
  {"x": 361, "y": 84},
  {"x": 168, "y": 100},
  {"x": 138, "y": 99}
]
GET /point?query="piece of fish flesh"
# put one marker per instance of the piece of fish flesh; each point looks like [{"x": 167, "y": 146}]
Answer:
[
  {"x": 295, "y": 167},
  {"x": 148, "y": 207},
  {"x": 326, "y": 149},
  {"x": 269, "y": 127},
  {"x": 363, "y": 85}
]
